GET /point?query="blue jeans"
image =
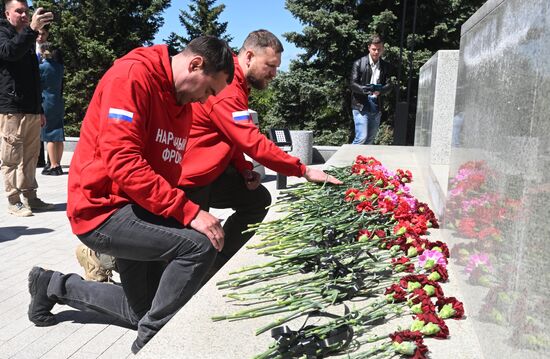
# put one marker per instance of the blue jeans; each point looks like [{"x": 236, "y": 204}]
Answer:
[
  {"x": 161, "y": 265},
  {"x": 367, "y": 122}
]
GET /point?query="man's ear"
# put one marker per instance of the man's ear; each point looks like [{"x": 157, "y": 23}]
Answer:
[
  {"x": 249, "y": 54},
  {"x": 196, "y": 63}
]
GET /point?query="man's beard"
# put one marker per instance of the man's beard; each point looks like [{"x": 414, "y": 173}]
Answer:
[{"x": 256, "y": 83}]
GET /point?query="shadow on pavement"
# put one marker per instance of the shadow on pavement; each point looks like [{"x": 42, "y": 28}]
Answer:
[
  {"x": 85, "y": 317},
  {"x": 58, "y": 207},
  {"x": 11, "y": 233}
]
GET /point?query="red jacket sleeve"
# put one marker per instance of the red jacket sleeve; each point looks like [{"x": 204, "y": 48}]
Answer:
[
  {"x": 240, "y": 163},
  {"x": 122, "y": 144},
  {"x": 248, "y": 139}
]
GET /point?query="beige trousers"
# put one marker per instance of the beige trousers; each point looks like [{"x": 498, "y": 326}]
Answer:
[{"x": 20, "y": 134}]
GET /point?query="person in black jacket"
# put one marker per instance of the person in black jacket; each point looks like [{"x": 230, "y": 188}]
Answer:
[
  {"x": 370, "y": 80},
  {"x": 21, "y": 114}
]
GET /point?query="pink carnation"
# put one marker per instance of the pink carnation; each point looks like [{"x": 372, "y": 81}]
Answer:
[{"x": 430, "y": 258}]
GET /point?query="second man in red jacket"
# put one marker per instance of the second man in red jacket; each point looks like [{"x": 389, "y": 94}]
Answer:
[{"x": 214, "y": 170}]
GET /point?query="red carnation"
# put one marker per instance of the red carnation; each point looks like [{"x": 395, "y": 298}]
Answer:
[
  {"x": 404, "y": 176},
  {"x": 437, "y": 287},
  {"x": 422, "y": 208},
  {"x": 457, "y": 306},
  {"x": 359, "y": 169},
  {"x": 365, "y": 206},
  {"x": 405, "y": 335},
  {"x": 363, "y": 234},
  {"x": 350, "y": 194},
  {"x": 420, "y": 278},
  {"x": 405, "y": 262},
  {"x": 442, "y": 271},
  {"x": 411, "y": 336},
  {"x": 432, "y": 318},
  {"x": 371, "y": 161},
  {"x": 403, "y": 210},
  {"x": 418, "y": 295},
  {"x": 421, "y": 349},
  {"x": 419, "y": 224},
  {"x": 413, "y": 241},
  {"x": 398, "y": 293},
  {"x": 386, "y": 205},
  {"x": 400, "y": 260}
]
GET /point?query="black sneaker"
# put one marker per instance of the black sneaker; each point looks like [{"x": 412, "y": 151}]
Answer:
[
  {"x": 40, "y": 308},
  {"x": 53, "y": 171},
  {"x": 46, "y": 169}
]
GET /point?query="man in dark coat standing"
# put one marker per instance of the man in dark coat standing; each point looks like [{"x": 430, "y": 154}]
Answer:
[
  {"x": 21, "y": 114},
  {"x": 370, "y": 80}
]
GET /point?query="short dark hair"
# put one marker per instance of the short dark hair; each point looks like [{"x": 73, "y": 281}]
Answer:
[
  {"x": 216, "y": 53},
  {"x": 376, "y": 39},
  {"x": 261, "y": 39},
  {"x": 6, "y": 2}
]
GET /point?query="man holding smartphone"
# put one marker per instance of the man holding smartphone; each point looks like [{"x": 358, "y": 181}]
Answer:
[{"x": 21, "y": 114}]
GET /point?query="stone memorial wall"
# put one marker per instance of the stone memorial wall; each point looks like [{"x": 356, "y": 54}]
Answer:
[
  {"x": 436, "y": 103},
  {"x": 497, "y": 210},
  {"x": 434, "y": 122}
]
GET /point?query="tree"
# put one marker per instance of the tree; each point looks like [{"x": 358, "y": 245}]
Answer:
[
  {"x": 92, "y": 34},
  {"x": 202, "y": 19},
  {"x": 314, "y": 93}
]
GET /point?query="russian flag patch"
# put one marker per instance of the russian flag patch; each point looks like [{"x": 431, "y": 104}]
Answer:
[
  {"x": 241, "y": 116},
  {"x": 119, "y": 114}
]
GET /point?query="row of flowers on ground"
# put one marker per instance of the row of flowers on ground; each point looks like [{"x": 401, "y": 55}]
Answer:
[{"x": 335, "y": 245}]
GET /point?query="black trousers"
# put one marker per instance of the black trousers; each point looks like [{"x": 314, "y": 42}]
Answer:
[
  {"x": 229, "y": 191},
  {"x": 161, "y": 265}
]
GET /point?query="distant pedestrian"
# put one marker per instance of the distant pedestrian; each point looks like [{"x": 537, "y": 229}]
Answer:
[
  {"x": 42, "y": 38},
  {"x": 51, "y": 80},
  {"x": 20, "y": 106},
  {"x": 370, "y": 80}
]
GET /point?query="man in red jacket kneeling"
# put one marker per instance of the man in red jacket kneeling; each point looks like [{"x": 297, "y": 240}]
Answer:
[
  {"x": 214, "y": 172},
  {"x": 123, "y": 197}
]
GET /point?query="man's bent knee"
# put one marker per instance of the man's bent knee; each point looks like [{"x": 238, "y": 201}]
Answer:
[
  {"x": 264, "y": 198},
  {"x": 203, "y": 249}
]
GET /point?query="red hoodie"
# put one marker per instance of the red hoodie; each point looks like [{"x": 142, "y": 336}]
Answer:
[
  {"x": 222, "y": 131},
  {"x": 131, "y": 146}
]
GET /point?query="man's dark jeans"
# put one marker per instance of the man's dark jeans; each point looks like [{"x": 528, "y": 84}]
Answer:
[
  {"x": 229, "y": 191},
  {"x": 161, "y": 265}
]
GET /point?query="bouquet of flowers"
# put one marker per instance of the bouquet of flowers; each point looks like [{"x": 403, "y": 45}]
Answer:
[{"x": 335, "y": 245}]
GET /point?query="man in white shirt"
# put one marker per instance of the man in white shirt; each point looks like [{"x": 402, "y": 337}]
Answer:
[{"x": 370, "y": 80}]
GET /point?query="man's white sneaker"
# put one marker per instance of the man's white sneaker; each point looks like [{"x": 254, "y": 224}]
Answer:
[{"x": 19, "y": 210}]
